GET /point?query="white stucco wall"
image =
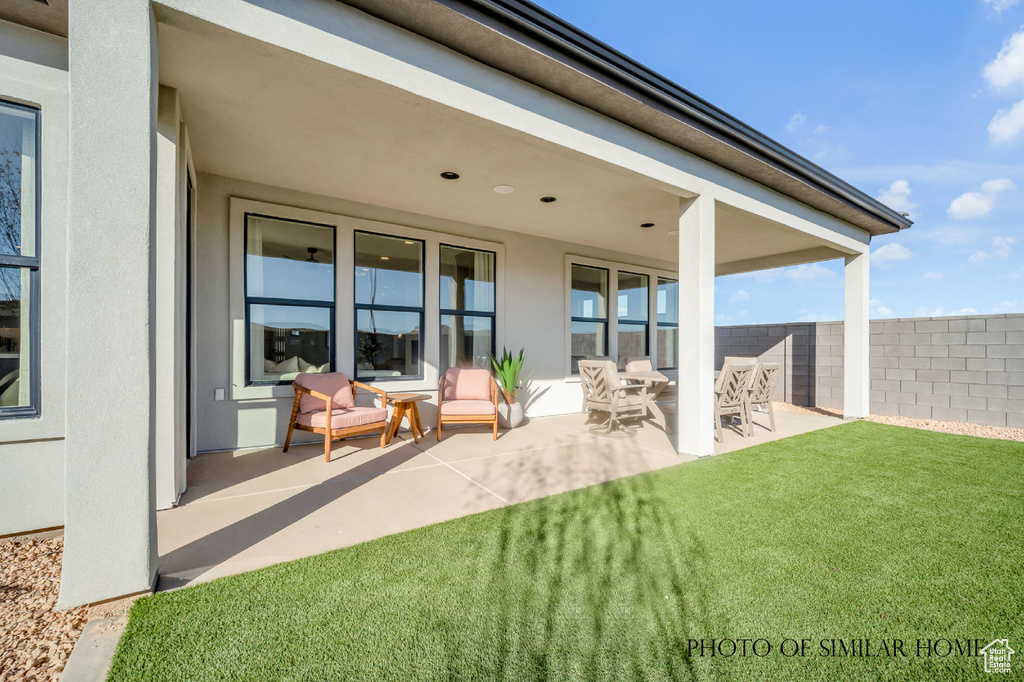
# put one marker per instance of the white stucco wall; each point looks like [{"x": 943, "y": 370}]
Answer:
[
  {"x": 533, "y": 314},
  {"x": 172, "y": 167},
  {"x": 33, "y": 71}
]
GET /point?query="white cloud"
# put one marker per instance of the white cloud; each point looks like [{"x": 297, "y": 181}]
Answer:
[
  {"x": 1001, "y": 248},
  {"x": 807, "y": 273},
  {"x": 807, "y": 316},
  {"x": 739, "y": 296},
  {"x": 942, "y": 312},
  {"x": 1005, "y": 73},
  {"x": 978, "y": 204},
  {"x": 1007, "y": 70},
  {"x": 897, "y": 197},
  {"x": 795, "y": 121},
  {"x": 1000, "y": 5},
  {"x": 890, "y": 253},
  {"x": 933, "y": 275},
  {"x": 876, "y": 309},
  {"x": 822, "y": 128},
  {"x": 1007, "y": 124}
]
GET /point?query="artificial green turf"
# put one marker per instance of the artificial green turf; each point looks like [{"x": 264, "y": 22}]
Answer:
[{"x": 858, "y": 531}]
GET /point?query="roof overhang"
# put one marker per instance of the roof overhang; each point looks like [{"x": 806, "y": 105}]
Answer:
[{"x": 525, "y": 41}]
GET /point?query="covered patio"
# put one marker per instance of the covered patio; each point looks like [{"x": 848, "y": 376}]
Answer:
[
  {"x": 317, "y": 172},
  {"x": 246, "y": 509}
]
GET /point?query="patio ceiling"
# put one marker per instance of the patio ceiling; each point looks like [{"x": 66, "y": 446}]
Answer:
[{"x": 266, "y": 115}]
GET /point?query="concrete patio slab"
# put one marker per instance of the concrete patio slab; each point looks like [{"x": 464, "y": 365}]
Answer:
[
  {"x": 249, "y": 509},
  {"x": 476, "y": 440},
  {"x": 219, "y": 475},
  {"x": 562, "y": 466},
  {"x": 223, "y": 536}
]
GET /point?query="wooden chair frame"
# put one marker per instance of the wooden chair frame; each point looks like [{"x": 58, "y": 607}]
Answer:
[
  {"x": 467, "y": 418},
  {"x": 336, "y": 434}
]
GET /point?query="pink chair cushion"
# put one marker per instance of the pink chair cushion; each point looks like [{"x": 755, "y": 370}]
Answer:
[
  {"x": 467, "y": 384},
  {"x": 334, "y": 384},
  {"x": 466, "y": 408},
  {"x": 343, "y": 419}
]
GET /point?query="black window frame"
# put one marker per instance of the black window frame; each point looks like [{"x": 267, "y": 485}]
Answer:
[
  {"x": 607, "y": 307},
  {"x": 293, "y": 302},
  {"x": 32, "y": 264},
  {"x": 645, "y": 323},
  {"x": 658, "y": 324},
  {"x": 469, "y": 313},
  {"x": 356, "y": 307}
]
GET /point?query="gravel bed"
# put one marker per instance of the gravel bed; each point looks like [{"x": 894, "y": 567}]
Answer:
[
  {"x": 960, "y": 428},
  {"x": 35, "y": 639}
]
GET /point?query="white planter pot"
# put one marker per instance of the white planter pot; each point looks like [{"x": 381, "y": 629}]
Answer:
[{"x": 510, "y": 416}]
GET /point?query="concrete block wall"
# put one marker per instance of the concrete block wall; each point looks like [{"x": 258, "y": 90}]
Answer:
[{"x": 967, "y": 368}]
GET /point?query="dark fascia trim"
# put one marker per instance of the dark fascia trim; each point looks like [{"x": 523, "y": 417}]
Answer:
[{"x": 559, "y": 34}]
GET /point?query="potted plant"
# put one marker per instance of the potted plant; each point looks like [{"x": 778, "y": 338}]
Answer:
[{"x": 507, "y": 371}]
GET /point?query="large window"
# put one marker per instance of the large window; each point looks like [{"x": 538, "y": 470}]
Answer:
[
  {"x": 19, "y": 260},
  {"x": 668, "y": 323},
  {"x": 289, "y": 298},
  {"x": 589, "y": 310},
  {"x": 467, "y": 307},
  {"x": 632, "y": 316},
  {"x": 388, "y": 306}
]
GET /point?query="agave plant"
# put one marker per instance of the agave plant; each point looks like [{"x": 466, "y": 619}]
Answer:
[{"x": 507, "y": 370}]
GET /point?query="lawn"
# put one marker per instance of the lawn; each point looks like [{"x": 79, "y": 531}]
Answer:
[{"x": 858, "y": 532}]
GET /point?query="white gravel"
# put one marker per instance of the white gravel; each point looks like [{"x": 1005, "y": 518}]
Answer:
[{"x": 960, "y": 428}]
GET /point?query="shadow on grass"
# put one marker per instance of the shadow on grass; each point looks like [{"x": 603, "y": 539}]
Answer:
[{"x": 597, "y": 583}]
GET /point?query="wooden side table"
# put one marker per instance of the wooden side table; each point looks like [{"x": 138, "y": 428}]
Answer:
[{"x": 405, "y": 407}]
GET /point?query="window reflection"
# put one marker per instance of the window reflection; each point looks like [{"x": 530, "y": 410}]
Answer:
[
  {"x": 15, "y": 379},
  {"x": 467, "y": 286},
  {"x": 289, "y": 260},
  {"x": 289, "y": 287},
  {"x": 389, "y": 306}
]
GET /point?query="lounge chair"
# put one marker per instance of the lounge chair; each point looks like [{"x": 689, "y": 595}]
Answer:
[
  {"x": 467, "y": 396},
  {"x": 326, "y": 403}
]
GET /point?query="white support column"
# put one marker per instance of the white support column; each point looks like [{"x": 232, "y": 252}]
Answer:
[
  {"x": 695, "y": 408},
  {"x": 856, "y": 348},
  {"x": 110, "y": 518}
]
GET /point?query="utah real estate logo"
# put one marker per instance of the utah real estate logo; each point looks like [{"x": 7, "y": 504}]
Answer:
[{"x": 997, "y": 656}]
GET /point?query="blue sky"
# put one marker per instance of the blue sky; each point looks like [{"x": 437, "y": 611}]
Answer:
[{"x": 920, "y": 104}]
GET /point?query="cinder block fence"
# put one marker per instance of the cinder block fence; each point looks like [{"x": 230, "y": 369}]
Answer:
[{"x": 950, "y": 368}]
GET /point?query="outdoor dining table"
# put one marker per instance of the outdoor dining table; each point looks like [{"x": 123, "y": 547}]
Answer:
[{"x": 656, "y": 382}]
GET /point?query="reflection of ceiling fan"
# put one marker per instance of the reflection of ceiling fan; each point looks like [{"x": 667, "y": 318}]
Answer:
[{"x": 312, "y": 255}]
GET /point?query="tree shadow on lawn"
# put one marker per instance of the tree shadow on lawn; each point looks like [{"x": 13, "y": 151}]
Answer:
[{"x": 596, "y": 583}]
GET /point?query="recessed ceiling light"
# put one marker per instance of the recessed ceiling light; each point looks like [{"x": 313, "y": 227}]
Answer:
[
  {"x": 548, "y": 200},
  {"x": 504, "y": 189},
  {"x": 647, "y": 225},
  {"x": 674, "y": 233},
  {"x": 450, "y": 175},
  {"x": 385, "y": 258}
]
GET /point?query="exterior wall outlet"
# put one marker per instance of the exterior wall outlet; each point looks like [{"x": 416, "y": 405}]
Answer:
[{"x": 218, "y": 394}]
